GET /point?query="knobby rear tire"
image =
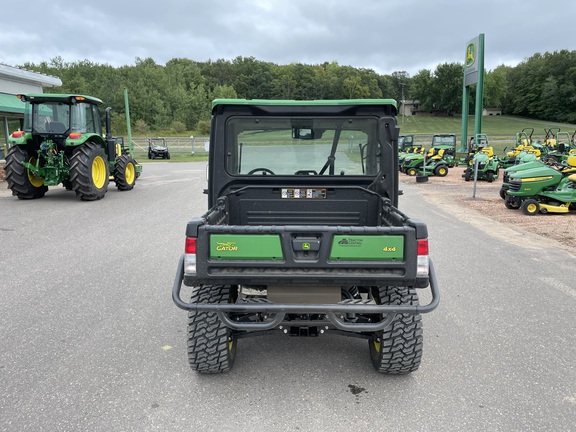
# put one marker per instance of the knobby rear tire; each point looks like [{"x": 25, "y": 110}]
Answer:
[
  {"x": 89, "y": 174},
  {"x": 398, "y": 348},
  {"x": 21, "y": 181},
  {"x": 211, "y": 348}
]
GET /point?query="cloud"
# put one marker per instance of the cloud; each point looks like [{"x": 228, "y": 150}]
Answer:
[{"x": 386, "y": 36}]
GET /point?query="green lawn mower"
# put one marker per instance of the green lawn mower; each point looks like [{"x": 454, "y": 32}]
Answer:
[
  {"x": 484, "y": 164},
  {"x": 543, "y": 189}
]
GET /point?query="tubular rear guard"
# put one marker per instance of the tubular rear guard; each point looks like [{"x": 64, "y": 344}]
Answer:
[{"x": 281, "y": 309}]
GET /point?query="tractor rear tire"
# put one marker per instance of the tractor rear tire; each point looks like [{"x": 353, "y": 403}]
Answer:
[
  {"x": 398, "y": 348},
  {"x": 490, "y": 176},
  {"x": 89, "y": 172},
  {"x": 125, "y": 173},
  {"x": 530, "y": 207},
  {"x": 411, "y": 172},
  {"x": 21, "y": 181},
  {"x": 211, "y": 346}
]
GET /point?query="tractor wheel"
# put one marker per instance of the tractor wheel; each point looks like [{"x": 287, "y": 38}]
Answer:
[
  {"x": 489, "y": 176},
  {"x": 67, "y": 184},
  {"x": 502, "y": 193},
  {"x": 211, "y": 345},
  {"x": 411, "y": 172},
  {"x": 398, "y": 348},
  {"x": 441, "y": 171},
  {"x": 530, "y": 207},
  {"x": 467, "y": 175},
  {"x": 167, "y": 155},
  {"x": 89, "y": 172},
  {"x": 21, "y": 181},
  {"x": 125, "y": 173}
]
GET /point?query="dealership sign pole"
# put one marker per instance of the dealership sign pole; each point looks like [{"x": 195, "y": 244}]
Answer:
[{"x": 473, "y": 74}]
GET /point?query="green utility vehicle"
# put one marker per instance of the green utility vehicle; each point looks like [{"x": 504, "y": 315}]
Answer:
[
  {"x": 303, "y": 234},
  {"x": 61, "y": 142},
  {"x": 158, "y": 148},
  {"x": 438, "y": 158}
]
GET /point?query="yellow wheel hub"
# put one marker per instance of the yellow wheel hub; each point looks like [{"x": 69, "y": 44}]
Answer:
[
  {"x": 130, "y": 173},
  {"x": 99, "y": 172},
  {"x": 532, "y": 208},
  {"x": 34, "y": 180}
]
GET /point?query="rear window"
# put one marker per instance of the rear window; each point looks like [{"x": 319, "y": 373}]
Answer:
[{"x": 302, "y": 146}]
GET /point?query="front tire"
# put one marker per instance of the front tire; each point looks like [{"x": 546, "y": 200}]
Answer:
[
  {"x": 441, "y": 171},
  {"x": 125, "y": 173},
  {"x": 530, "y": 207},
  {"x": 398, "y": 348},
  {"x": 21, "y": 181},
  {"x": 211, "y": 346},
  {"x": 89, "y": 173}
]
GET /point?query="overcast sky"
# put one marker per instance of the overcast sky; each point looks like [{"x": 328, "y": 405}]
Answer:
[{"x": 383, "y": 35}]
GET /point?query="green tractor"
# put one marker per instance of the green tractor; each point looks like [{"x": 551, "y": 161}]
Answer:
[
  {"x": 61, "y": 142},
  {"x": 544, "y": 188},
  {"x": 483, "y": 163}
]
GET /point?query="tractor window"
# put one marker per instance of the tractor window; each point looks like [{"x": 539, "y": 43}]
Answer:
[
  {"x": 302, "y": 146},
  {"x": 50, "y": 117},
  {"x": 85, "y": 118}
]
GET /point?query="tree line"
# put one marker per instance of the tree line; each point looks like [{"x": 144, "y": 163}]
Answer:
[{"x": 177, "y": 96}]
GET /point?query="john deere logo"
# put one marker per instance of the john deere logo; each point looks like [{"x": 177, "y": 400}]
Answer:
[
  {"x": 306, "y": 246},
  {"x": 470, "y": 54},
  {"x": 226, "y": 246}
]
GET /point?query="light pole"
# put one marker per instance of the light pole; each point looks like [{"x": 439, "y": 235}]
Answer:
[{"x": 402, "y": 101}]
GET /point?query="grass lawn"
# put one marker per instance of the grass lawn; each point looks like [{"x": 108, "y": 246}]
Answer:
[{"x": 501, "y": 131}]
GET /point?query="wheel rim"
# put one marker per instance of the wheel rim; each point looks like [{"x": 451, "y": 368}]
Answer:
[
  {"x": 532, "y": 208},
  {"x": 130, "y": 173},
  {"x": 34, "y": 180},
  {"x": 98, "y": 172},
  {"x": 442, "y": 171}
]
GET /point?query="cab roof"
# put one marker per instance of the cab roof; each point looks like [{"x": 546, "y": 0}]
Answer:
[{"x": 57, "y": 97}]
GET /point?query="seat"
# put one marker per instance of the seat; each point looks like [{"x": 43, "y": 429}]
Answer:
[{"x": 56, "y": 127}]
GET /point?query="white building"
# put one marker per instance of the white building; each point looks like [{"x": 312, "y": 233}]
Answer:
[{"x": 15, "y": 81}]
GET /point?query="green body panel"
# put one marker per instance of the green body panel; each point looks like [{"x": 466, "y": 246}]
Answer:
[
  {"x": 245, "y": 246},
  {"x": 542, "y": 176},
  {"x": 381, "y": 248}
]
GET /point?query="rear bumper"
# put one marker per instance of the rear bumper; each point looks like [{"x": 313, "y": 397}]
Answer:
[{"x": 330, "y": 310}]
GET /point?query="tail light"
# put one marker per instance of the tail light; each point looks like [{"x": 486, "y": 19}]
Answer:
[
  {"x": 75, "y": 135},
  {"x": 17, "y": 134},
  {"x": 190, "y": 256},
  {"x": 423, "y": 262}
]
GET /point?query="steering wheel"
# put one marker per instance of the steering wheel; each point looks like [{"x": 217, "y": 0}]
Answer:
[{"x": 264, "y": 171}]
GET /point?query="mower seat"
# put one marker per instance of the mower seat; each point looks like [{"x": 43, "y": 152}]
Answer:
[{"x": 488, "y": 151}]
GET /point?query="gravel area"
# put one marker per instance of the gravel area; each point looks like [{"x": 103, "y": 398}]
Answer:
[{"x": 487, "y": 209}]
